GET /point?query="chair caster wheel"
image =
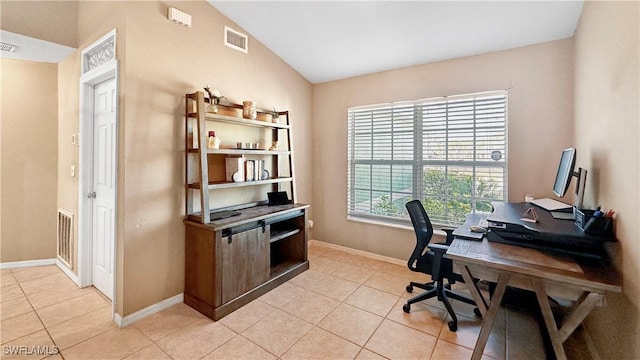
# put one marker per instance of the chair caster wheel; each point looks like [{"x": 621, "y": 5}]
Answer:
[
  {"x": 453, "y": 326},
  {"x": 406, "y": 308},
  {"x": 409, "y": 288},
  {"x": 477, "y": 312}
]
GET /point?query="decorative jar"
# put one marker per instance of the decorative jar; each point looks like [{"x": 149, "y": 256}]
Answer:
[{"x": 249, "y": 110}]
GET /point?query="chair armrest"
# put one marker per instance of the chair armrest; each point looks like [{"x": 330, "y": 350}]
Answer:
[
  {"x": 449, "y": 232},
  {"x": 438, "y": 248}
]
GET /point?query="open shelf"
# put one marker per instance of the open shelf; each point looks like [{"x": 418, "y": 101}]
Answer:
[
  {"x": 242, "y": 152},
  {"x": 279, "y": 235},
  {"x": 240, "y": 121},
  {"x": 283, "y": 267},
  {"x": 226, "y": 184}
]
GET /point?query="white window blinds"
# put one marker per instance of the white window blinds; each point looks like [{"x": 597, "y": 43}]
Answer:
[{"x": 448, "y": 152}]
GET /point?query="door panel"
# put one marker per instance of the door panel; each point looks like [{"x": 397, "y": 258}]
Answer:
[
  {"x": 104, "y": 153},
  {"x": 245, "y": 262}
]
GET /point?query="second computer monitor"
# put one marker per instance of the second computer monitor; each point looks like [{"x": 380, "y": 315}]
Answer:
[{"x": 565, "y": 172}]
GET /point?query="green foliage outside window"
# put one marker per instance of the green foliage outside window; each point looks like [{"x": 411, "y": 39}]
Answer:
[{"x": 447, "y": 197}]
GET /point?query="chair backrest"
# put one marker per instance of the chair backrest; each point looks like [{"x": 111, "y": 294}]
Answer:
[{"x": 422, "y": 227}]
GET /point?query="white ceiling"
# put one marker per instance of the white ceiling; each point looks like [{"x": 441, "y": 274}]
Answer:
[
  {"x": 330, "y": 40},
  {"x": 33, "y": 49}
]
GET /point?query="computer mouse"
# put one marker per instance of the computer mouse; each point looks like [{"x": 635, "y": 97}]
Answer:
[{"x": 478, "y": 229}]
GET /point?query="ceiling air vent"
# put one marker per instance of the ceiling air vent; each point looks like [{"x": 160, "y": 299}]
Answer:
[
  {"x": 7, "y": 47},
  {"x": 236, "y": 40}
]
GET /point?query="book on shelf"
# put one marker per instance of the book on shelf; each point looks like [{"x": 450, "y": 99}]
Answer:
[
  {"x": 257, "y": 175},
  {"x": 250, "y": 167},
  {"x": 235, "y": 168}
]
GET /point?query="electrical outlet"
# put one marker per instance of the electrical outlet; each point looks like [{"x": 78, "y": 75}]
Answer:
[{"x": 73, "y": 170}]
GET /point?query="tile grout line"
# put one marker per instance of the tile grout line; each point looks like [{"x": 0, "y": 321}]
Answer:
[
  {"x": 385, "y": 317},
  {"x": 39, "y": 319},
  {"x": 378, "y": 271},
  {"x": 45, "y": 328}
]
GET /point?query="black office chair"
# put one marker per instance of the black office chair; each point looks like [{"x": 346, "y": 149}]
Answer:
[{"x": 434, "y": 262}]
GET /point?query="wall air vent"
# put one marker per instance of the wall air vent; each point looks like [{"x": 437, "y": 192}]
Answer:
[
  {"x": 65, "y": 237},
  {"x": 4, "y": 47},
  {"x": 236, "y": 40},
  {"x": 179, "y": 17}
]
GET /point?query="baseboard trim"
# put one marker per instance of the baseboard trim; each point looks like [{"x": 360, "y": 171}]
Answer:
[
  {"x": 70, "y": 274},
  {"x": 148, "y": 311},
  {"x": 358, "y": 252},
  {"x": 26, "y": 263}
]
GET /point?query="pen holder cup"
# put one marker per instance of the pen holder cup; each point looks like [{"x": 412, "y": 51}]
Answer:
[{"x": 593, "y": 225}]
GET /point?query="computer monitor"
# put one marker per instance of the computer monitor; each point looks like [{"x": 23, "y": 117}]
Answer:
[{"x": 566, "y": 172}]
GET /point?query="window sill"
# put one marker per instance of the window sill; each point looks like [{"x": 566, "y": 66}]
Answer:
[{"x": 436, "y": 230}]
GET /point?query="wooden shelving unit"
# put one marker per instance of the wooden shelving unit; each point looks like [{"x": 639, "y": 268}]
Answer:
[
  {"x": 233, "y": 260},
  {"x": 198, "y": 156}
]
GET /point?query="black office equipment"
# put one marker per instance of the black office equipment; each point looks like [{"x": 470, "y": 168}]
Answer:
[
  {"x": 588, "y": 221},
  {"x": 278, "y": 198},
  {"x": 506, "y": 226},
  {"x": 433, "y": 262}
]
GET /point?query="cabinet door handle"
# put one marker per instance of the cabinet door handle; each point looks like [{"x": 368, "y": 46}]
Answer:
[
  {"x": 228, "y": 234},
  {"x": 264, "y": 225}
]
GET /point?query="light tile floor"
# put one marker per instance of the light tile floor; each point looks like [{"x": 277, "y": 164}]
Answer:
[{"x": 346, "y": 306}]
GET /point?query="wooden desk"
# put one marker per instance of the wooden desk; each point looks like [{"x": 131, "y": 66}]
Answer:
[{"x": 545, "y": 273}]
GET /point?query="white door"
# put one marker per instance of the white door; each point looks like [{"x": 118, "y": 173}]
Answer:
[{"x": 104, "y": 181}]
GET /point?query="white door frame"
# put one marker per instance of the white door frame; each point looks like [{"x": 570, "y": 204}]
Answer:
[{"x": 105, "y": 71}]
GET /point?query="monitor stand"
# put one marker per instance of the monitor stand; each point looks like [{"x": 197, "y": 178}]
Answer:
[{"x": 562, "y": 215}]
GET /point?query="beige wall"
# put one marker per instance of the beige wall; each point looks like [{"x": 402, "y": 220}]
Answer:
[
  {"x": 28, "y": 149},
  {"x": 540, "y": 83},
  {"x": 160, "y": 62},
  {"x": 164, "y": 64},
  {"x": 54, "y": 21},
  {"x": 68, "y": 100},
  {"x": 607, "y": 119}
]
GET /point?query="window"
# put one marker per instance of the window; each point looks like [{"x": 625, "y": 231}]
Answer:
[{"x": 448, "y": 152}]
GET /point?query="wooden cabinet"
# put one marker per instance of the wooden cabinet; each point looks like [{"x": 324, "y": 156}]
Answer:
[{"x": 232, "y": 260}]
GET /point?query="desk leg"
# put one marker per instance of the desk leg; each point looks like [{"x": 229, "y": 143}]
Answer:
[
  {"x": 549, "y": 321},
  {"x": 578, "y": 314},
  {"x": 490, "y": 316},
  {"x": 575, "y": 318},
  {"x": 481, "y": 302}
]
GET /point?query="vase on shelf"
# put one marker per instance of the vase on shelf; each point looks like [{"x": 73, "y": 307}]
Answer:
[
  {"x": 249, "y": 110},
  {"x": 213, "y": 141},
  {"x": 212, "y": 106}
]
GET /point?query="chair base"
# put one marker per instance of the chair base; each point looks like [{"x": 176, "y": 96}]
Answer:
[
  {"x": 428, "y": 286},
  {"x": 443, "y": 292}
]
